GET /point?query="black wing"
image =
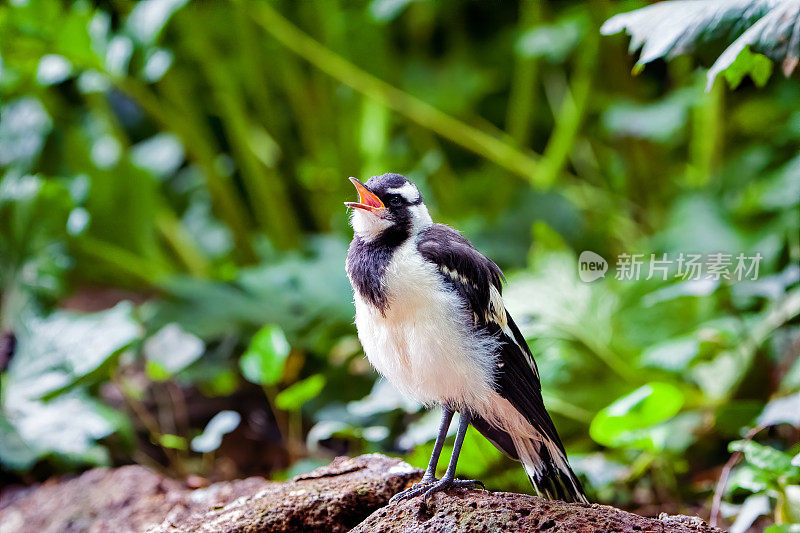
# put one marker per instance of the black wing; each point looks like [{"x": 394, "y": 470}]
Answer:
[
  {"x": 479, "y": 282},
  {"x": 468, "y": 271}
]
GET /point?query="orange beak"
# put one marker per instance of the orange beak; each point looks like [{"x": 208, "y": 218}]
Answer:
[{"x": 366, "y": 198}]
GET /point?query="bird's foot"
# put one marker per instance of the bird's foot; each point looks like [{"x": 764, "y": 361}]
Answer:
[
  {"x": 430, "y": 486},
  {"x": 447, "y": 484},
  {"x": 415, "y": 490}
]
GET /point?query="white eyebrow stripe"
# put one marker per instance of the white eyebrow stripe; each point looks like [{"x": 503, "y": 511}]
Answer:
[{"x": 408, "y": 191}]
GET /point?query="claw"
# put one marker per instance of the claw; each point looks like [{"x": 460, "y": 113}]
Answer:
[
  {"x": 415, "y": 490},
  {"x": 446, "y": 484}
]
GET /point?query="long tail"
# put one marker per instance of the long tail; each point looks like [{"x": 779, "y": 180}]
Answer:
[
  {"x": 544, "y": 461},
  {"x": 551, "y": 476}
]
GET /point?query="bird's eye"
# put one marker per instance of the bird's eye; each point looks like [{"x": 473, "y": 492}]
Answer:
[{"x": 395, "y": 201}]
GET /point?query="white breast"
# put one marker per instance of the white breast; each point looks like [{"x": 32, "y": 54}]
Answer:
[{"x": 424, "y": 345}]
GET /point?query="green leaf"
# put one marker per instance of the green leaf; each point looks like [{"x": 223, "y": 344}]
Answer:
[
  {"x": 35, "y": 214},
  {"x": 753, "y": 507},
  {"x": 733, "y": 414},
  {"x": 757, "y": 66},
  {"x": 264, "y": 359},
  {"x": 294, "y": 396},
  {"x": 56, "y": 352},
  {"x": 717, "y": 377},
  {"x": 24, "y": 126},
  {"x": 785, "y": 410},
  {"x": 674, "y": 354},
  {"x": 148, "y": 18},
  {"x": 223, "y": 383},
  {"x": 53, "y": 69},
  {"x": 783, "y": 528},
  {"x": 600, "y": 470},
  {"x": 161, "y": 154},
  {"x": 68, "y": 426},
  {"x": 301, "y": 282},
  {"x": 156, "y": 371},
  {"x": 661, "y": 121},
  {"x": 620, "y": 423},
  {"x": 387, "y": 10},
  {"x": 781, "y": 190},
  {"x": 174, "y": 442},
  {"x": 171, "y": 350},
  {"x": 552, "y": 42},
  {"x": 15, "y": 453},
  {"x": 772, "y": 35},
  {"x": 668, "y": 29},
  {"x": 763, "y": 457},
  {"x": 674, "y": 435},
  {"x": 789, "y": 504},
  {"x": 747, "y": 478}
]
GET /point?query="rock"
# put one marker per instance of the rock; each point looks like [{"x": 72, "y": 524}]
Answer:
[
  {"x": 198, "y": 501},
  {"x": 126, "y": 499},
  {"x": 332, "y": 498},
  {"x": 348, "y": 494},
  {"x": 475, "y": 510}
]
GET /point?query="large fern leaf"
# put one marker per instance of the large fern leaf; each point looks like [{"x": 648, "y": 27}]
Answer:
[{"x": 667, "y": 29}]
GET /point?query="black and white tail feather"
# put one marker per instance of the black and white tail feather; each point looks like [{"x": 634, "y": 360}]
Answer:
[
  {"x": 479, "y": 283},
  {"x": 550, "y": 476}
]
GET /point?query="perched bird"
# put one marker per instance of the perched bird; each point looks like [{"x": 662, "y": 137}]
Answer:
[{"x": 431, "y": 319}]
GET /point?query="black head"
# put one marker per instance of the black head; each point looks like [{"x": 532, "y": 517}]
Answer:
[{"x": 388, "y": 203}]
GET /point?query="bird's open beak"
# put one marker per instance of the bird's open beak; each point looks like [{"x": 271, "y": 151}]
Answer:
[{"x": 366, "y": 198}]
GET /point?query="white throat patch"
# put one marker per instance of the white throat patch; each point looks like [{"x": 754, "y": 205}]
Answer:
[{"x": 367, "y": 225}]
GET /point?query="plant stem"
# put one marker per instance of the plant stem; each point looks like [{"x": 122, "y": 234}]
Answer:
[
  {"x": 504, "y": 154},
  {"x": 148, "y": 422},
  {"x": 125, "y": 261},
  {"x": 480, "y": 142},
  {"x": 268, "y": 197},
  {"x": 521, "y": 101},
  {"x": 225, "y": 198},
  {"x": 570, "y": 115},
  {"x": 723, "y": 477},
  {"x": 181, "y": 242},
  {"x": 705, "y": 146}
]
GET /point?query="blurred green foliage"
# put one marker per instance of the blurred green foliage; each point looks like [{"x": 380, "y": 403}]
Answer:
[{"x": 172, "y": 236}]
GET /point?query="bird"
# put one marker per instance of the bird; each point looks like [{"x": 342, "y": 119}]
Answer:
[{"x": 431, "y": 319}]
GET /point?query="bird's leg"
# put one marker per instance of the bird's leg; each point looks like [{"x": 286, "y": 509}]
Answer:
[
  {"x": 444, "y": 427},
  {"x": 449, "y": 480},
  {"x": 430, "y": 472}
]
